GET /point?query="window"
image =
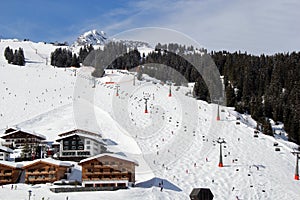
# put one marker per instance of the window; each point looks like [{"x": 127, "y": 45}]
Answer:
[
  {"x": 42, "y": 170},
  {"x": 84, "y": 153},
  {"x": 66, "y": 142},
  {"x": 88, "y": 147},
  {"x": 1, "y": 154},
  {"x": 88, "y": 142},
  {"x": 80, "y": 142},
  {"x": 66, "y": 147},
  {"x": 73, "y": 147},
  {"x": 68, "y": 153},
  {"x": 73, "y": 142},
  {"x": 7, "y": 171},
  {"x": 51, "y": 169}
]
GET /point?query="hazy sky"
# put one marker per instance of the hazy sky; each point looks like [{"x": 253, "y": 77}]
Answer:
[{"x": 256, "y": 26}]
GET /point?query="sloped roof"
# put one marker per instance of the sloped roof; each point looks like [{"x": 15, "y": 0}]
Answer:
[
  {"x": 110, "y": 155},
  {"x": 10, "y": 129},
  {"x": 95, "y": 138},
  {"x": 196, "y": 191},
  {"x": 78, "y": 131},
  {"x": 30, "y": 133},
  {"x": 49, "y": 161},
  {"x": 11, "y": 164}
]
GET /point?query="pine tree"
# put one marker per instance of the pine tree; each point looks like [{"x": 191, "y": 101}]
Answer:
[
  {"x": 20, "y": 57},
  {"x": 267, "y": 128},
  {"x": 9, "y": 55}
]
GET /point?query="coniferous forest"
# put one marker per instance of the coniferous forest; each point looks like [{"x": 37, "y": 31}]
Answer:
[
  {"x": 64, "y": 58},
  {"x": 264, "y": 86},
  {"x": 15, "y": 57}
]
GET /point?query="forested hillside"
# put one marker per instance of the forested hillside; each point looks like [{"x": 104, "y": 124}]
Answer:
[{"x": 264, "y": 86}]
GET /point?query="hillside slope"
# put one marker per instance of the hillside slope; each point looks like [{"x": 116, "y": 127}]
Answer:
[{"x": 174, "y": 142}]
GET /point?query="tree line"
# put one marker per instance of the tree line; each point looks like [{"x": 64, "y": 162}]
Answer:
[
  {"x": 62, "y": 57},
  {"x": 265, "y": 86},
  {"x": 15, "y": 57}
]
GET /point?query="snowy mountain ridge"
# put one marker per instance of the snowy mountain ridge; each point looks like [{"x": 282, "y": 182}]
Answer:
[{"x": 92, "y": 37}]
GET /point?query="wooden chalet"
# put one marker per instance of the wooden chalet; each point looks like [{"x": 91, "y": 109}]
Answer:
[
  {"x": 108, "y": 170},
  {"x": 4, "y": 153},
  {"x": 9, "y": 172},
  {"x": 79, "y": 144},
  {"x": 46, "y": 171},
  {"x": 20, "y": 138}
]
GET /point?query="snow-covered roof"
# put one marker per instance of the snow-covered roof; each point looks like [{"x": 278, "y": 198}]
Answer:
[
  {"x": 55, "y": 143},
  {"x": 31, "y": 133},
  {"x": 11, "y": 164},
  {"x": 5, "y": 149},
  {"x": 10, "y": 129},
  {"x": 95, "y": 138},
  {"x": 48, "y": 160},
  {"x": 118, "y": 156},
  {"x": 78, "y": 131}
]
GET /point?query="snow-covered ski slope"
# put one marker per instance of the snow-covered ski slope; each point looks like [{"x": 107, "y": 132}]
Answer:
[{"x": 174, "y": 142}]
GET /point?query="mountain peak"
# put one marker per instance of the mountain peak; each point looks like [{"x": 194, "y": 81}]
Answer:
[{"x": 92, "y": 37}]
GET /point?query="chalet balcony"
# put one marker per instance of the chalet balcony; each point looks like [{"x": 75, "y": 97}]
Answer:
[
  {"x": 77, "y": 153},
  {"x": 41, "y": 173},
  {"x": 106, "y": 173},
  {"x": 105, "y": 179},
  {"x": 46, "y": 179},
  {"x": 6, "y": 174},
  {"x": 8, "y": 143},
  {"x": 5, "y": 181}
]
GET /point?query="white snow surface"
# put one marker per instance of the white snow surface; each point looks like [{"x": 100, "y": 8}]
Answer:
[{"x": 170, "y": 143}]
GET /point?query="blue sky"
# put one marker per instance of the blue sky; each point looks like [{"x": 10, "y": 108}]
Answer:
[{"x": 257, "y": 26}]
